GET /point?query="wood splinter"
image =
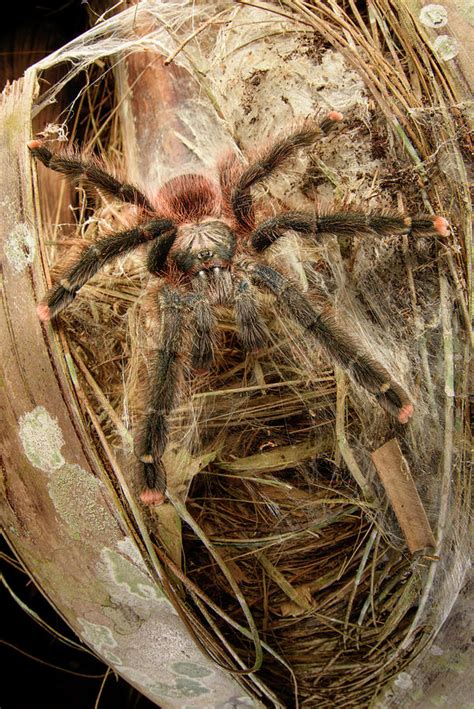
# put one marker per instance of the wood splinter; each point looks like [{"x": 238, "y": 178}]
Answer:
[{"x": 397, "y": 480}]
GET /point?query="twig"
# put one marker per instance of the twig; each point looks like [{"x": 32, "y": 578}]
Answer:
[{"x": 398, "y": 482}]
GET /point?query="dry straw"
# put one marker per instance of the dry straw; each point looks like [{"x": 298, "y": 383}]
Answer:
[{"x": 286, "y": 560}]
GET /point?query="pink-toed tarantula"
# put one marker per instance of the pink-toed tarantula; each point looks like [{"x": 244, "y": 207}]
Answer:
[{"x": 205, "y": 244}]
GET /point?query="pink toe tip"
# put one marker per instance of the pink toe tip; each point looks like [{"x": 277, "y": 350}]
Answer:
[
  {"x": 441, "y": 225},
  {"x": 335, "y": 116},
  {"x": 34, "y": 144},
  {"x": 405, "y": 413},
  {"x": 152, "y": 497},
  {"x": 43, "y": 311}
]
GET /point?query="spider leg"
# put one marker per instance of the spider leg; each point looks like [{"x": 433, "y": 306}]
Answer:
[
  {"x": 345, "y": 224},
  {"x": 268, "y": 162},
  {"x": 340, "y": 345},
  {"x": 251, "y": 327},
  {"x": 164, "y": 380},
  {"x": 92, "y": 172},
  {"x": 202, "y": 353},
  {"x": 160, "y": 248},
  {"x": 100, "y": 253}
]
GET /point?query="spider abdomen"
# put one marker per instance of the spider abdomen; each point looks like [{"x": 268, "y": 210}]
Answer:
[{"x": 189, "y": 198}]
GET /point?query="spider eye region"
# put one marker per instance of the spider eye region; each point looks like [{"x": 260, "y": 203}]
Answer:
[
  {"x": 203, "y": 246},
  {"x": 205, "y": 255}
]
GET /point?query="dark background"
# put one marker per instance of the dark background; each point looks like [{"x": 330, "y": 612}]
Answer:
[
  {"x": 34, "y": 29},
  {"x": 27, "y": 683}
]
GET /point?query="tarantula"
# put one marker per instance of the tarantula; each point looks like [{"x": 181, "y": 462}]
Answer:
[{"x": 205, "y": 245}]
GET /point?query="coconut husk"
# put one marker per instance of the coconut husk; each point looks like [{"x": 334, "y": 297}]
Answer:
[{"x": 290, "y": 561}]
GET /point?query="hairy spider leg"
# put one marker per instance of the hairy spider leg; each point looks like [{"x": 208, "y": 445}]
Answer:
[
  {"x": 268, "y": 162},
  {"x": 97, "y": 255},
  {"x": 345, "y": 224},
  {"x": 160, "y": 248},
  {"x": 166, "y": 370},
  {"x": 75, "y": 167},
  {"x": 340, "y": 345},
  {"x": 203, "y": 348},
  {"x": 253, "y": 332}
]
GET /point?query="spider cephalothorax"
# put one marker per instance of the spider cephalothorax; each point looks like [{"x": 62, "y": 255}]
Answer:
[
  {"x": 203, "y": 247},
  {"x": 205, "y": 244}
]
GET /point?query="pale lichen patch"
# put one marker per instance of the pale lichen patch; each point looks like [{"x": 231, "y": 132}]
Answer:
[
  {"x": 20, "y": 247},
  {"x": 191, "y": 669},
  {"x": 101, "y": 639},
  {"x": 404, "y": 681},
  {"x": 125, "y": 574},
  {"x": 127, "y": 547},
  {"x": 162, "y": 630},
  {"x": 186, "y": 678},
  {"x": 76, "y": 496},
  {"x": 235, "y": 703},
  {"x": 446, "y": 47},
  {"x": 124, "y": 619},
  {"x": 434, "y": 15},
  {"x": 180, "y": 688},
  {"x": 134, "y": 597},
  {"x": 42, "y": 439}
]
